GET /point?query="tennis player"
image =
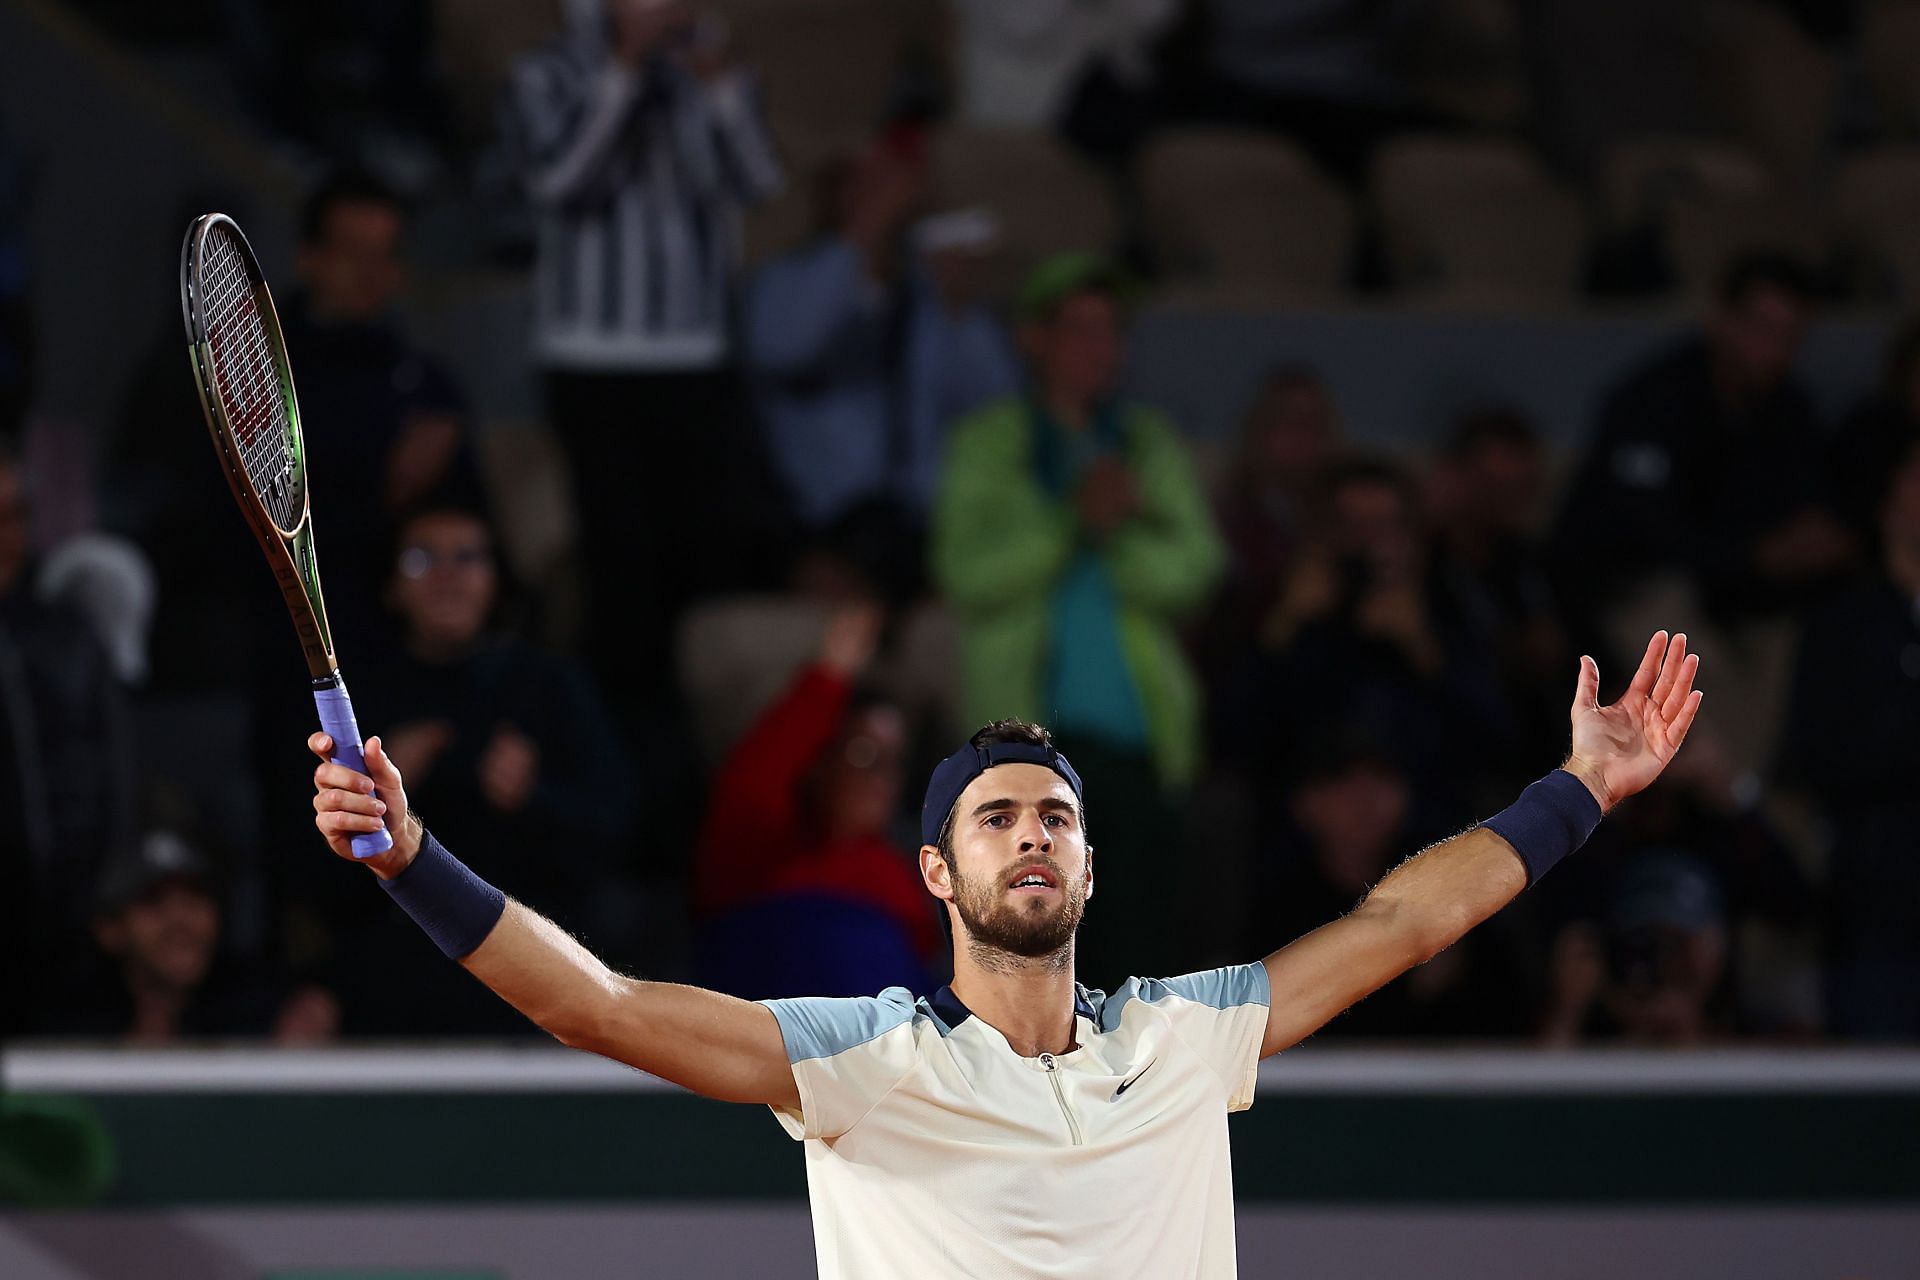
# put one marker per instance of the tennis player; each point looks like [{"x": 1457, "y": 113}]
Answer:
[{"x": 1016, "y": 1123}]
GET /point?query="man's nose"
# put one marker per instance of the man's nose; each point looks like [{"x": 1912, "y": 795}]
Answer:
[{"x": 1035, "y": 835}]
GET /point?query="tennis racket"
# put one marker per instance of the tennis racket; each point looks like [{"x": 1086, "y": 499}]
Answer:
[{"x": 246, "y": 388}]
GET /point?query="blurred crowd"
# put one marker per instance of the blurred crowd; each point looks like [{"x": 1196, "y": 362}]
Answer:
[{"x": 830, "y": 505}]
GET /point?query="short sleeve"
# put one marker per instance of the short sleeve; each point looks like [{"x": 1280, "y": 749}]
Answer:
[
  {"x": 846, "y": 1054},
  {"x": 1220, "y": 1014}
]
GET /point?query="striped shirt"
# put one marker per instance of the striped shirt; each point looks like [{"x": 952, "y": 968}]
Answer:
[{"x": 639, "y": 176}]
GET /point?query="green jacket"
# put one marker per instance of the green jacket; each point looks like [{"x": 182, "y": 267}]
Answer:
[{"x": 1001, "y": 545}]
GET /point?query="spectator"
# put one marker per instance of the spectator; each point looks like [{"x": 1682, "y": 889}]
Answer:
[
  {"x": 1322, "y": 72},
  {"x": 1071, "y": 537},
  {"x": 1490, "y": 571},
  {"x": 1655, "y": 975},
  {"x": 510, "y": 751},
  {"x": 1710, "y": 812},
  {"x": 66, "y": 768},
  {"x": 1852, "y": 744},
  {"x": 1706, "y": 463},
  {"x": 365, "y": 390},
  {"x": 1286, "y": 442},
  {"x": 865, "y": 344},
  {"x": 1869, "y": 445},
  {"x": 1347, "y": 821},
  {"x": 643, "y": 144},
  {"x": 799, "y": 881},
  {"x": 1358, "y": 637},
  {"x": 158, "y": 930},
  {"x": 1701, "y": 498}
]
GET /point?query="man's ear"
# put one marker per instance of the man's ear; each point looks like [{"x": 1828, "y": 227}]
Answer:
[
  {"x": 935, "y": 873},
  {"x": 1089, "y": 871}
]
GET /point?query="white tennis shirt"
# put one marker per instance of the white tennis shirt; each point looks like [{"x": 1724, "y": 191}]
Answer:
[{"x": 933, "y": 1149}]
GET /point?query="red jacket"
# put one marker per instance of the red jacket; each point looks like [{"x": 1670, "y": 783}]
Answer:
[{"x": 755, "y": 842}]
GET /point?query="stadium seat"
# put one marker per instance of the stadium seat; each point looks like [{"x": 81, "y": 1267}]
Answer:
[
  {"x": 1877, "y": 204},
  {"x": 1244, "y": 212},
  {"x": 736, "y": 654},
  {"x": 1048, "y": 200},
  {"x": 1775, "y": 87},
  {"x": 1707, "y": 230},
  {"x": 788, "y": 44},
  {"x": 1477, "y": 222},
  {"x": 1642, "y": 179},
  {"x": 1706, "y": 201},
  {"x": 1889, "y": 53}
]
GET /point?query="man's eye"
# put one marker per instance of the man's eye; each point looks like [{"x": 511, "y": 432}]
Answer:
[
  {"x": 997, "y": 820},
  {"x": 1055, "y": 819}
]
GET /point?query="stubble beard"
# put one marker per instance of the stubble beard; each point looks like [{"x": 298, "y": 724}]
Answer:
[{"x": 1003, "y": 935}]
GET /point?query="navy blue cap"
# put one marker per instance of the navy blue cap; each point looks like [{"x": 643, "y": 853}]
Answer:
[{"x": 951, "y": 776}]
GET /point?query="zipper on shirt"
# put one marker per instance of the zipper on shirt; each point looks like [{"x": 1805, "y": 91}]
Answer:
[{"x": 1052, "y": 1067}]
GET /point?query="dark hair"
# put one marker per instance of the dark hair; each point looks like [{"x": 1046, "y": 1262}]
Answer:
[
  {"x": 1489, "y": 428},
  {"x": 1355, "y": 470},
  {"x": 1010, "y": 729},
  {"x": 1749, "y": 273},
  {"x": 344, "y": 186}
]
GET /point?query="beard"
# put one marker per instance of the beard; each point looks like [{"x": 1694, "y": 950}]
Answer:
[{"x": 1027, "y": 928}]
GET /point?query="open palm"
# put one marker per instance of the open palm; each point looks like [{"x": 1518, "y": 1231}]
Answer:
[{"x": 1620, "y": 749}]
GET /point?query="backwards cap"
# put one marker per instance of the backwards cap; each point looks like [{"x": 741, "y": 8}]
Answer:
[{"x": 951, "y": 776}]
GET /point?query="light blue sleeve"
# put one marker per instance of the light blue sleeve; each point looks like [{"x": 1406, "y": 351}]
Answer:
[{"x": 846, "y": 1054}]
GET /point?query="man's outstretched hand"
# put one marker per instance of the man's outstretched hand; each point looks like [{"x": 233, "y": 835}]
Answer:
[
  {"x": 1620, "y": 749},
  {"x": 347, "y": 803}
]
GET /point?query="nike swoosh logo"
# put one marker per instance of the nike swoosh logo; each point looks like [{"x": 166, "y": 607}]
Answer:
[{"x": 1129, "y": 1083}]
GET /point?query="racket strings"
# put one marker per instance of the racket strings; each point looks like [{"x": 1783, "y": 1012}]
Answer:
[{"x": 248, "y": 380}]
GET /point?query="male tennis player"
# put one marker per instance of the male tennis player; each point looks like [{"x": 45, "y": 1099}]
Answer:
[{"x": 1014, "y": 1123}]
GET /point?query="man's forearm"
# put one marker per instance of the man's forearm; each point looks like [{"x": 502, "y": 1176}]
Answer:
[
  {"x": 1435, "y": 897},
  {"x": 541, "y": 970}
]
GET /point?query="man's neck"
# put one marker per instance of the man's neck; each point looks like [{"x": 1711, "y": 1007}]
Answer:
[
  {"x": 156, "y": 1009},
  {"x": 1029, "y": 1001}
]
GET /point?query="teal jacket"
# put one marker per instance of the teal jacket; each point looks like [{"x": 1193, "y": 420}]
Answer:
[{"x": 1001, "y": 544}]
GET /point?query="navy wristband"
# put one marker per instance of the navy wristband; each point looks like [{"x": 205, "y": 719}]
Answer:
[
  {"x": 1551, "y": 819},
  {"x": 456, "y": 907}
]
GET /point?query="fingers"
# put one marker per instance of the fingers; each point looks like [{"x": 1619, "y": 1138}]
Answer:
[
  {"x": 1669, "y": 669},
  {"x": 339, "y": 776},
  {"x": 341, "y": 815},
  {"x": 1586, "y": 691},
  {"x": 1681, "y": 686},
  {"x": 1677, "y": 730},
  {"x": 321, "y": 745},
  {"x": 1642, "y": 682}
]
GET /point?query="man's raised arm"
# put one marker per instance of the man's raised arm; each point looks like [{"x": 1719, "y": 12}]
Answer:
[
  {"x": 1429, "y": 902},
  {"x": 707, "y": 1042}
]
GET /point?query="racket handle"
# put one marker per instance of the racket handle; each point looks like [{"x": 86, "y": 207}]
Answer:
[{"x": 336, "y": 717}]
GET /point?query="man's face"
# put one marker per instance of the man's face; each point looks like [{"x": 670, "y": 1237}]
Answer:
[
  {"x": 1757, "y": 339},
  {"x": 860, "y": 784},
  {"x": 444, "y": 581},
  {"x": 352, "y": 269},
  {"x": 1021, "y": 871},
  {"x": 1295, "y": 430},
  {"x": 1076, "y": 353},
  {"x": 1353, "y": 820},
  {"x": 1373, "y": 521},
  {"x": 167, "y": 935}
]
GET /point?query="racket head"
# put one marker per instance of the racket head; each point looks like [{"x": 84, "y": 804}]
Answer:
[{"x": 240, "y": 366}]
